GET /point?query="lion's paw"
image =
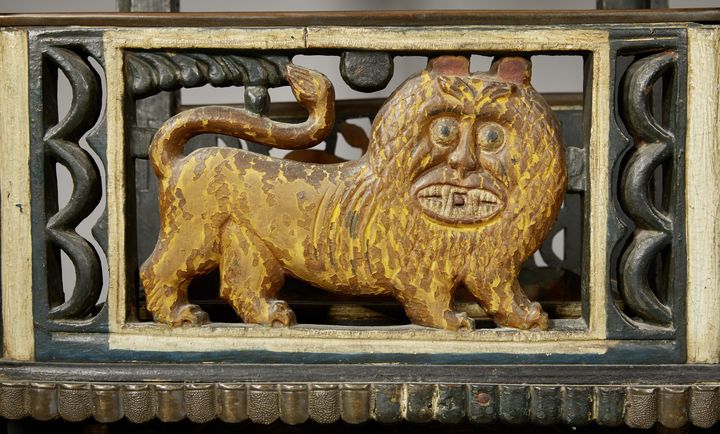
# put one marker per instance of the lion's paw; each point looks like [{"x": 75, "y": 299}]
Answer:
[
  {"x": 280, "y": 314},
  {"x": 530, "y": 317},
  {"x": 185, "y": 314},
  {"x": 459, "y": 321},
  {"x": 536, "y": 318}
]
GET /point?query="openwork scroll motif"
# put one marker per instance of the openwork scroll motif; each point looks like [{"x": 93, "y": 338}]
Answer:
[
  {"x": 57, "y": 141},
  {"x": 654, "y": 146},
  {"x": 648, "y": 192}
]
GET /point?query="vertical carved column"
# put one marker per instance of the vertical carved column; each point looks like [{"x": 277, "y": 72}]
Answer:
[
  {"x": 646, "y": 223},
  {"x": 654, "y": 148},
  {"x": 73, "y": 140},
  {"x": 62, "y": 144}
]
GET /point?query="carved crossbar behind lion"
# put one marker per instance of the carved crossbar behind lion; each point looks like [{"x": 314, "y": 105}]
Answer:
[{"x": 463, "y": 179}]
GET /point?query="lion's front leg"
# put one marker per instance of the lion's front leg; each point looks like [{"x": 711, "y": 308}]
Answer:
[
  {"x": 508, "y": 306},
  {"x": 433, "y": 307}
]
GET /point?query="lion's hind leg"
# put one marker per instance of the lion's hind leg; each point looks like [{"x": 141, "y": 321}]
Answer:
[
  {"x": 167, "y": 273},
  {"x": 250, "y": 278}
]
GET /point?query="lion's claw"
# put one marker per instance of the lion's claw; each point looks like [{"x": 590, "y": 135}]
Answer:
[
  {"x": 536, "y": 318},
  {"x": 280, "y": 314},
  {"x": 185, "y": 314},
  {"x": 532, "y": 317},
  {"x": 459, "y": 321}
]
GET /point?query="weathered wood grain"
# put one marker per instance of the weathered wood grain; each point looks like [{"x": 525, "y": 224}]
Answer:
[
  {"x": 703, "y": 196},
  {"x": 18, "y": 338}
]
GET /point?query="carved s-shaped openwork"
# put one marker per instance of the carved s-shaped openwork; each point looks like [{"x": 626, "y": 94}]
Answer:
[
  {"x": 61, "y": 143},
  {"x": 654, "y": 145}
]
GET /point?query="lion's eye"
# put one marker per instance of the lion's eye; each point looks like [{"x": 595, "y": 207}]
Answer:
[
  {"x": 444, "y": 131},
  {"x": 490, "y": 137}
]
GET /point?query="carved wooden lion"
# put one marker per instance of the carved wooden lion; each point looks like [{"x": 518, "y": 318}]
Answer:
[{"x": 462, "y": 181}]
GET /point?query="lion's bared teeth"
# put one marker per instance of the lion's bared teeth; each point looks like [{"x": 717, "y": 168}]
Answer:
[
  {"x": 455, "y": 203},
  {"x": 458, "y": 199}
]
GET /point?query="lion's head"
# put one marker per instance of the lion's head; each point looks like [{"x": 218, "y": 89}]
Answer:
[{"x": 476, "y": 158}]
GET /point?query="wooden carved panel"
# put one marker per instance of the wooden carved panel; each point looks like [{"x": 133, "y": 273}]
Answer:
[
  {"x": 75, "y": 141},
  {"x": 384, "y": 239},
  {"x": 462, "y": 180},
  {"x": 465, "y": 180}
]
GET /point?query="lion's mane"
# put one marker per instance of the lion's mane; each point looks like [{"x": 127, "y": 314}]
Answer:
[{"x": 377, "y": 236}]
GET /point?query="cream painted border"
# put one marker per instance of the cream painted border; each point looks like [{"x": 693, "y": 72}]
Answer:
[
  {"x": 469, "y": 38},
  {"x": 402, "y": 340},
  {"x": 702, "y": 159},
  {"x": 18, "y": 337},
  {"x": 599, "y": 186}
]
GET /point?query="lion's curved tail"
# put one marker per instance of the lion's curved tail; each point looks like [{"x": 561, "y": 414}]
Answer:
[{"x": 313, "y": 91}]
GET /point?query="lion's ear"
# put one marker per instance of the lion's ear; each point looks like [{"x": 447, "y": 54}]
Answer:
[
  {"x": 449, "y": 65},
  {"x": 512, "y": 69}
]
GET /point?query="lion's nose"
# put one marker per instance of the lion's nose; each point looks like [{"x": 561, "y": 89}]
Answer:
[{"x": 463, "y": 158}]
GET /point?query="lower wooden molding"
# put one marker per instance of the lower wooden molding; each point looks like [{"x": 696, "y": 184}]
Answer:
[{"x": 294, "y": 403}]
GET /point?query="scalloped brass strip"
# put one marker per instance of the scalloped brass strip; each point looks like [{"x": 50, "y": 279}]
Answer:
[{"x": 636, "y": 406}]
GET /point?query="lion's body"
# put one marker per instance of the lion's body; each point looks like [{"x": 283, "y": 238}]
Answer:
[{"x": 364, "y": 227}]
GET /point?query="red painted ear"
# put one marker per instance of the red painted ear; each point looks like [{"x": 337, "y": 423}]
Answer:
[
  {"x": 513, "y": 69},
  {"x": 449, "y": 65}
]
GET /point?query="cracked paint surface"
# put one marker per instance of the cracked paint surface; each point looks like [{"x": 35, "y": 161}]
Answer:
[{"x": 463, "y": 179}]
